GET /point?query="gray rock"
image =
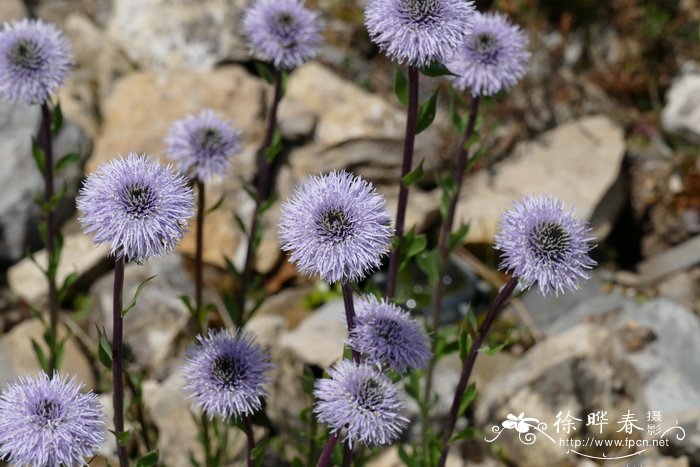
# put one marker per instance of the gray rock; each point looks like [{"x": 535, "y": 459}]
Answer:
[
  {"x": 159, "y": 317},
  {"x": 170, "y": 34},
  {"x": 17, "y": 356},
  {"x": 578, "y": 162},
  {"x": 20, "y": 180},
  {"x": 681, "y": 115},
  {"x": 12, "y": 10}
]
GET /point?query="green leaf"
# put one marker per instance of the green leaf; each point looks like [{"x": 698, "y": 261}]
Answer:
[
  {"x": 188, "y": 303},
  {"x": 417, "y": 245},
  {"x": 267, "y": 204},
  {"x": 40, "y": 356},
  {"x": 457, "y": 238},
  {"x": 412, "y": 388},
  {"x": 148, "y": 460},
  {"x": 132, "y": 304},
  {"x": 489, "y": 350},
  {"x": 436, "y": 69},
  {"x": 122, "y": 437},
  {"x": 104, "y": 349},
  {"x": 468, "y": 398},
  {"x": 240, "y": 223},
  {"x": 68, "y": 282},
  {"x": 59, "y": 351},
  {"x": 465, "y": 344},
  {"x": 38, "y": 154},
  {"x": 414, "y": 176},
  {"x": 401, "y": 87},
  {"x": 66, "y": 161},
  {"x": 259, "y": 451},
  {"x": 215, "y": 206},
  {"x": 470, "y": 318},
  {"x": 467, "y": 433},
  {"x": 265, "y": 72},
  {"x": 56, "y": 120},
  {"x": 275, "y": 146},
  {"x": 426, "y": 113},
  {"x": 429, "y": 263}
]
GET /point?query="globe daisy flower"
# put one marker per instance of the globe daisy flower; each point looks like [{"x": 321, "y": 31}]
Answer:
[
  {"x": 418, "y": 32},
  {"x": 226, "y": 374},
  {"x": 337, "y": 226},
  {"x": 200, "y": 145},
  {"x": 388, "y": 336},
  {"x": 35, "y": 59},
  {"x": 361, "y": 400},
  {"x": 49, "y": 422},
  {"x": 282, "y": 32},
  {"x": 544, "y": 243},
  {"x": 138, "y": 206},
  {"x": 493, "y": 57}
]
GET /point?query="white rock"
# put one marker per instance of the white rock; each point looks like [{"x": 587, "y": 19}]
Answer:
[
  {"x": 320, "y": 338},
  {"x": 681, "y": 115},
  {"x": 170, "y": 34},
  {"x": 578, "y": 162},
  {"x": 79, "y": 255}
]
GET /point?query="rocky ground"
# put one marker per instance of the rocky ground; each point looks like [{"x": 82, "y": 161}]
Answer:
[{"x": 608, "y": 119}]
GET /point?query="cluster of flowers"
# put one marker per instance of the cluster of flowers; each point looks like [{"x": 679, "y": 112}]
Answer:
[{"x": 335, "y": 226}]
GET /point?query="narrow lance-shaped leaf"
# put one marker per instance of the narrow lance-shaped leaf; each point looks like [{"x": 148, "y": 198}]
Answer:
[
  {"x": 426, "y": 113},
  {"x": 401, "y": 87},
  {"x": 414, "y": 176},
  {"x": 132, "y": 304}
]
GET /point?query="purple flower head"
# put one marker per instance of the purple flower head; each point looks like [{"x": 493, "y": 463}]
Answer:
[
  {"x": 493, "y": 57},
  {"x": 201, "y": 144},
  {"x": 35, "y": 59},
  {"x": 282, "y": 32},
  {"x": 387, "y": 335},
  {"x": 336, "y": 225},
  {"x": 49, "y": 422},
  {"x": 363, "y": 401},
  {"x": 137, "y": 205},
  {"x": 418, "y": 32},
  {"x": 226, "y": 374},
  {"x": 542, "y": 242}
]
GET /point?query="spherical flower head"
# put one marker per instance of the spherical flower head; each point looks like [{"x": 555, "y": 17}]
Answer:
[
  {"x": 137, "y": 205},
  {"x": 282, "y": 32},
  {"x": 388, "y": 336},
  {"x": 226, "y": 374},
  {"x": 49, "y": 422},
  {"x": 418, "y": 32},
  {"x": 201, "y": 144},
  {"x": 543, "y": 242},
  {"x": 337, "y": 226},
  {"x": 363, "y": 401},
  {"x": 493, "y": 57},
  {"x": 35, "y": 59}
]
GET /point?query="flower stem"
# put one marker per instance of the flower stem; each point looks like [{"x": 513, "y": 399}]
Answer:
[
  {"x": 350, "y": 315},
  {"x": 468, "y": 366},
  {"x": 347, "y": 455},
  {"x": 443, "y": 247},
  {"x": 198, "y": 266},
  {"x": 325, "y": 458},
  {"x": 117, "y": 357},
  {"x": 264, "y": 174},
  {"x": 406, "y": 166},
  {"x": 248, "y": 427},
  {"x": 45, "y": 141}
]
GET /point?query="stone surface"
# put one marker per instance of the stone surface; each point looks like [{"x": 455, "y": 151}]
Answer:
[
  {"x": 79, "y": 255},
  {"x": 159, "y": 317},
  {"x": 604, "y": 353},
  {"x": 354, "y": 128},
  {"x": 20, "y": 180},
  {"x": 170, "y": 411},
  {"x": 17, "y": 356},
  {"x": 681, "y": 115},
  {"x": 12, "y": 10},
  {"x": 319, "y": 339},
  {"x": 578, "y": 162},
  {"x": 176, "y": 34},
  {"x": 423, "y": 209},
  {"x": 143, "y": 106}
]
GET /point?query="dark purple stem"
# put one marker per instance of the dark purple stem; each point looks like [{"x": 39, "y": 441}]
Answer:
[
  {"x": 406, "y": 166},
  {"x": 262, "y": 187},
  {"x": 347, "y": 455},
  {"x": 443, "y": 242},
  {"x": 117, "y": 357},
  {"x": 250, "y": 437},
  {"x": 198, "y": 263},
  {"x": 325, "y": 458},
  {"x": 350, "y": 315},
  {"x": 45, "y": 141},
  {"x": 468, "y": 366}
]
